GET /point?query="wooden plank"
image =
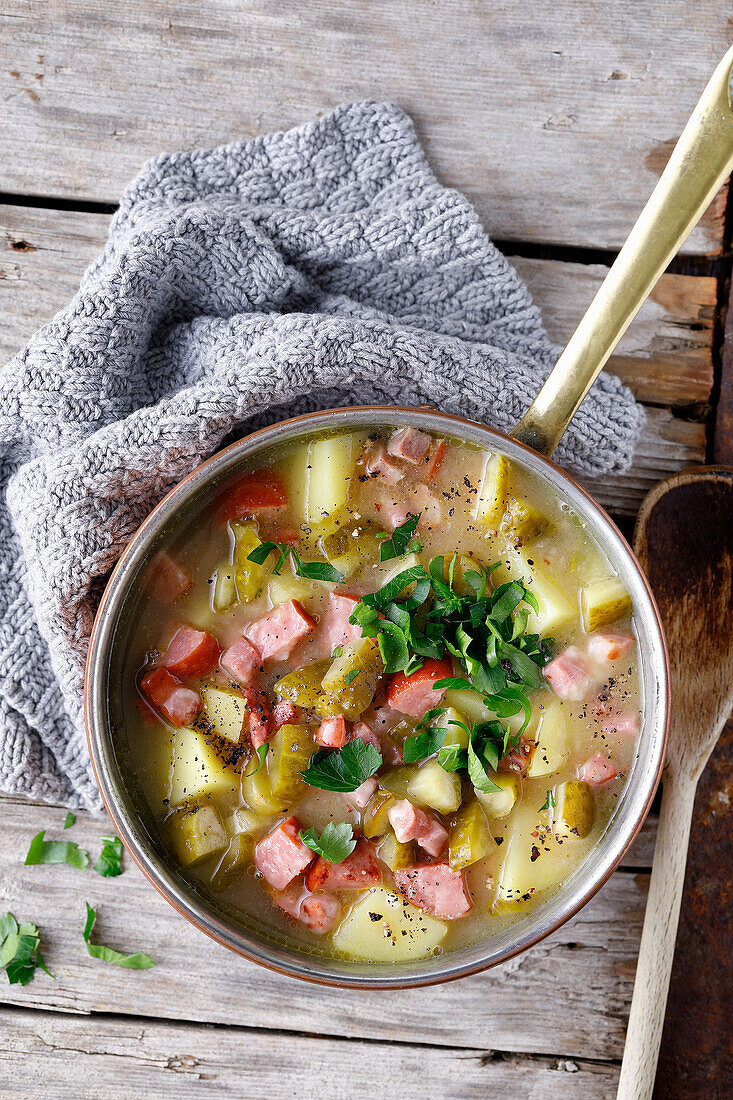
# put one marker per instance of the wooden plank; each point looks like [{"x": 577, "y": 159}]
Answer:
[
  {"x": 723, "y": 432},
  {"x": 556, "y": 122},
  {"x": 53, "y": 1056},
  {"x": 666, "y": 444},
  {"x": 587, "y": 966},
  {"x": 666, "y": 357}
]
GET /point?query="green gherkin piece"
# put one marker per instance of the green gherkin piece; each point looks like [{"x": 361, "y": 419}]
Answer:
[
  {"x": 470, "y": 838},
  {"x": 290, "y": 751},
  {"x": 303, "y": 685},
  {"x": 352, "y": 679},
  {"x": 248, "y": 576}
]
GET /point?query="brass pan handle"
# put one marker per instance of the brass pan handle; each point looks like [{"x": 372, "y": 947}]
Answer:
[{"x": 700, "y": 162}]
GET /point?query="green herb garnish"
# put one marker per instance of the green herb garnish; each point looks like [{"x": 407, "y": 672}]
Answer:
[
  {"x": 310, "y": 570},
  {"x": 19, "y": 950},
  {"x": 109, "y": 863},
  {"x": 549, "y": 802},
  {"x": 69, "y": 820},
  {"x": 138, "y": 961},
  {"x": 56, "y": 851},
  {"x": 398, "y": 544},
  {"x": 261, "y": 754},
  {"x": 423, "y": 744},
  {"x": 351, "y": 676},
  {"x": 335, "y": 843},
  {"x": 343, "y": 769}
]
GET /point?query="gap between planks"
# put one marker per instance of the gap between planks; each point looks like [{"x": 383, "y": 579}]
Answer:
[{"x": 119, "y": 1058}]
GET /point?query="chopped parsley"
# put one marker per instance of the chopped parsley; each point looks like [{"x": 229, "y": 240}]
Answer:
[
  {"x": 138, "y": 961},
  {"x": 56, "y": 851},
  {"x": 310, "y": 570},
  {"x": 20, "y": 954},
  {"x": 549, "y": 802},
  {"x": 109, "y": 863}
]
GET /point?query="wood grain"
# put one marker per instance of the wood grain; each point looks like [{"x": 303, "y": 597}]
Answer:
[
  {"x": 586, "y": 966},
  {"x": 119, "y": 1059},
  {"x": 555, "y": 121}
]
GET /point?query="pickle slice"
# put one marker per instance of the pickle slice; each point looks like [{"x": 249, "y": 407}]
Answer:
[
  {"x": 374, "y": 820},
  {"x": 395, "y": 854},
  {"x": 303, "y": 685},
  {"x": 234, "y": 862},
  {"x": 196, "y": 834},
  {"x": 248, "y": 576},
  {"x": 575, "y": 809},
  {"x": 470, "y": 839},
  {"x": 603, "y": 602},
  {"x": 290, "y": 750},
  {"x": 352, "y": 679}
]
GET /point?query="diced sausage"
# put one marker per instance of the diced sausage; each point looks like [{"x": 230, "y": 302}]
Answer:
[
  {"x": 177, "y": 703},
  {"x": 415, "y": 694},
  {"x": 409, "y": 444},
  {"x": 166, "y": 580},
  {"x": 356, "y": 872},
  {"x": 276, "y": 635},
  {"x": 434, "y": 459},
  {"x": 379, "y": 465},
  {"x": 359, "y": 798},
  {"x": 605, "y": 648},
  {"x": 518, "y": 758},
  {"x": 331, "y": 734},
  {"x": 318, "y": 912},
  {"x": 334, "y": 628},
  {"x": 284, "y": 713},
  {"x": 366, "y": 734},
  {"x": 282, "y": 855},
  {"x": 622, "y": 723},
  {"x": 241, "y": 661},
  {"x": 259, "y": 721},
  {"x": 412, "y": 823},
  {"x": 191, "y": 652},
  {"x": 261, "y": 490},
  {"x": 597, "y": 770},
  {"x": 435, "y": 888},
  {"x": 568, "y": 675}
]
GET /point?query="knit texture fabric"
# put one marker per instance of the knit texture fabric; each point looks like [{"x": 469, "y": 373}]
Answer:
[{"x": 323, "y": 266}]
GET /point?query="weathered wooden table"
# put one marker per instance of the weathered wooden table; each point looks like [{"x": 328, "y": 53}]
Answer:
[{"x": 556, "y": 119}]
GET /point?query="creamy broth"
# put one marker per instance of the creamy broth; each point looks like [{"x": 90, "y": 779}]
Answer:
[{"x": 191, "y": 723}]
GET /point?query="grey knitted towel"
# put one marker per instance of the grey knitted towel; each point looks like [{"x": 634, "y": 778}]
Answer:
[{"x": 318, "y": 267}]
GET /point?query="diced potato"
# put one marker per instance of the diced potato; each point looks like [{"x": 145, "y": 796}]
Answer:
[
  {"x": 224, "y": 589},
  {"x": 303, "y": 685},
  {"x": 331, "y": 463},
  {"x": 243, "y": 820},
  {"x": 383, "y": 927},
  {"x": 286, "y": 586},
  {"x": 235, "y": 861},
  {"x": 521, "y": 521},
  {"x": 469, "y": 705},
  {"x": 397, "y": 780},
  {"x": 550, "y": 751},
  {"x": 248, "y": 576},
  {"x": 257, "y": 793},
  {"x": 470, "y": 839},
  {"x": 555, "y": 608},
  {"x": 603, "y": 602},
  {"x": 198, "y": 769},
  {"x": 575, "y": 810},
  {"x": 290, "y": 750},
  {"x": 352, "y": 679},
  {"x": 395, "y": 854},
  {"x": 454, "y": 734},
  {"x": 196, "y": 834},
  {"x": 500, "y": 803},
  {"x": 294, "y": 468},
  {"x": 374, "y": 820},
  {"x": 225, "y": 711},
  {"x": 534, "y": 859},
  {"x": 434, "y": 787},
  {"x": 492, "y": 496}
]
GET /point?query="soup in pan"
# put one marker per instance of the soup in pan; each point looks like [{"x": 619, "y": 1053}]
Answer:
[{"x": 381, "y": 693}]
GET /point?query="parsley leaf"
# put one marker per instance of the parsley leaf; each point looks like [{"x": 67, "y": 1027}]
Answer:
[
  {"x": 351, "y": 676},
  {"x": 423, "y": 744},
  {"x": 19, "y": 950},
  {"x": 477, "y": 774},
  {"x": 549, "y": 801},
  {"x": 343, "y": 769},
  {"x": 261, "y": 754},
  {"x": 400, "y": 541},
  {"x": 452, "y": 758},
  {"x": 335, "y": 843},
  {"x": 56, "y": 851},
  {"x": 138, "y": 961},
  {"x": 311, "y": 570},
  {"x": 109, "y": 863},
  {"x": 69, "y": 820}
]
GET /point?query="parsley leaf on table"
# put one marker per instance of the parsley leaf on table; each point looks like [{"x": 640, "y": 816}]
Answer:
[
  {"x": 138, "y": 961},
  {"x": 109, "y": 864},
  {"x": 19, "y": 950},
  {"x": 56, "y": 851}
]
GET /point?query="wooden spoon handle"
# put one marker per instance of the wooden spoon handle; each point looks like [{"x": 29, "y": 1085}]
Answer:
[{"x": 656, "y": 952}]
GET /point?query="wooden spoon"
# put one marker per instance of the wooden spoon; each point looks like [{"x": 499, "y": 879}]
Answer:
[{"x": 684, "y": 541}]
